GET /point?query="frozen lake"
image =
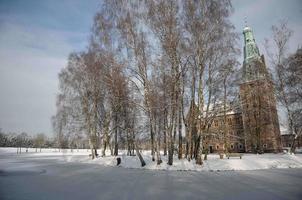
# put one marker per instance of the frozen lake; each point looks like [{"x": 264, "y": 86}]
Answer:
[{"x": 32, "y": 177}]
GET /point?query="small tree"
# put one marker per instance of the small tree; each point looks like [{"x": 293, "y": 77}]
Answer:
[{"x": 39, "y": 141}]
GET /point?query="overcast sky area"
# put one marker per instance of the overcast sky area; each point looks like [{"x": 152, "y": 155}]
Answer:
[{"x": 37, "y": 36}]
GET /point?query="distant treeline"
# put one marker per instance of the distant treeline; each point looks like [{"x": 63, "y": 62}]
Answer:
[{"x": 40, "y": 140}]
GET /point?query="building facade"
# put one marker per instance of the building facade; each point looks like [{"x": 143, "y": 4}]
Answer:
[
  {"x": 234, "y": 138},
  {"x": 255, "y": 127},
  {"x": 287, "y": 141}
]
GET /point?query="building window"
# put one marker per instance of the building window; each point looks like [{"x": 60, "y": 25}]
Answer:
[
  {"x": 217, "y": 147},
  {"x": 232, "y": 146},
  {"x": 240, "y": 146},
  {"x": 264, "y": 146},
  {"x": 237, "y": 121}
]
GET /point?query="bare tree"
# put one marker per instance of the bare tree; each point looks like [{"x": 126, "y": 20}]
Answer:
[
  {"x": 286, "y": 76},
  {"x": 158, "y": 60},
  {"x": 40, "y": 141},
  {"x": 163, "y": 17},
  {"x": 207, "y": 24},
  {"x": 22, "y": 141}
]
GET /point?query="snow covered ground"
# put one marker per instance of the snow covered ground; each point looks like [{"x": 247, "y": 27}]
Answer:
[{"x": 248, "y": 161}]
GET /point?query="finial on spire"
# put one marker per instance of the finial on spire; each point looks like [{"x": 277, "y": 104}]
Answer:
[{"x": 245, "y": 21}]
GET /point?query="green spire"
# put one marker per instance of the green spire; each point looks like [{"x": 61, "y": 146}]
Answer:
[
  {"x": 253, "y": 65},
  {"x": 251, "y": 50}
]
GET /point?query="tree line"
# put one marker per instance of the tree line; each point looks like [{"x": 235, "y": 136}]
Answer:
[
  {"x": 154, "y": 72},
  {"x": 24, "y": 140}
]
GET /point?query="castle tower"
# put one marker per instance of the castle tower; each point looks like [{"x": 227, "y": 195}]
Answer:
[{"x": 259, "y": 113}]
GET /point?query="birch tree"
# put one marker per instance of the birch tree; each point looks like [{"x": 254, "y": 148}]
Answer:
[{"x": 285, "y": 79}]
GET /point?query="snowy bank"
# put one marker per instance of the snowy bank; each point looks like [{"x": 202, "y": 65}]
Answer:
[{"x": 248, "y": 161}]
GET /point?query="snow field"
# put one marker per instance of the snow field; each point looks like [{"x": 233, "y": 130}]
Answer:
[{"x": 248, "y": 161}]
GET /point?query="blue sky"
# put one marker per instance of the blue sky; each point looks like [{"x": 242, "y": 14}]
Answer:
[
  {"x": 262, "y": 14},
  {"x": 35, "y": 40},
  {"x": 36, "y": 37}
]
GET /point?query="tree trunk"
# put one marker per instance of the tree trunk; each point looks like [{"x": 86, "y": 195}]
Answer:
[
  {"x": 133, "y": 142},
  {"x": 106, "y": 140},
  {"x": 170, "y": 140},
  {"x": 152, "y": 139},
  {"x": 199, "y": 154},
  {"x": 165, "y": 132},
  {"x": 293, "y": 146},
  {"x": 189, "y": 141},
  {"x": 158, "y": 158},
  {"x": 143, "y": 163},
  {"x": 91, "y": 149},
  {"x": 95, "y": 125},
  {"x": 95, "y": 152},
  {"x": 104, "y": 147},
  {"x": 111, "y": 149},
  {"x": 199, "y": 147},
  {"x": 128, "y": 144},
  {"x": 115, "y": 137},
  {"x": 179, "y": 132},
  {"x": 225, "y": 131}
]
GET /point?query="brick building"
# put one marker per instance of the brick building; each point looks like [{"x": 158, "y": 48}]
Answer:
[
  {"x": 287, "y": 140},
  {"x": 255, "y": 126},
  {"x": 215, "y": 142}
]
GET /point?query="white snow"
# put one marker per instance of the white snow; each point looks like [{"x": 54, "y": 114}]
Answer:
[{"x": 248, "y": 161}]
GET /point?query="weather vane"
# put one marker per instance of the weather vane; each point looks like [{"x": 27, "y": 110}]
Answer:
[{"x": 245, "y": 21}]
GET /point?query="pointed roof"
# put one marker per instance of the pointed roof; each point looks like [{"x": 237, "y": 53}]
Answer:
[{"x": 251, "y": 50}]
